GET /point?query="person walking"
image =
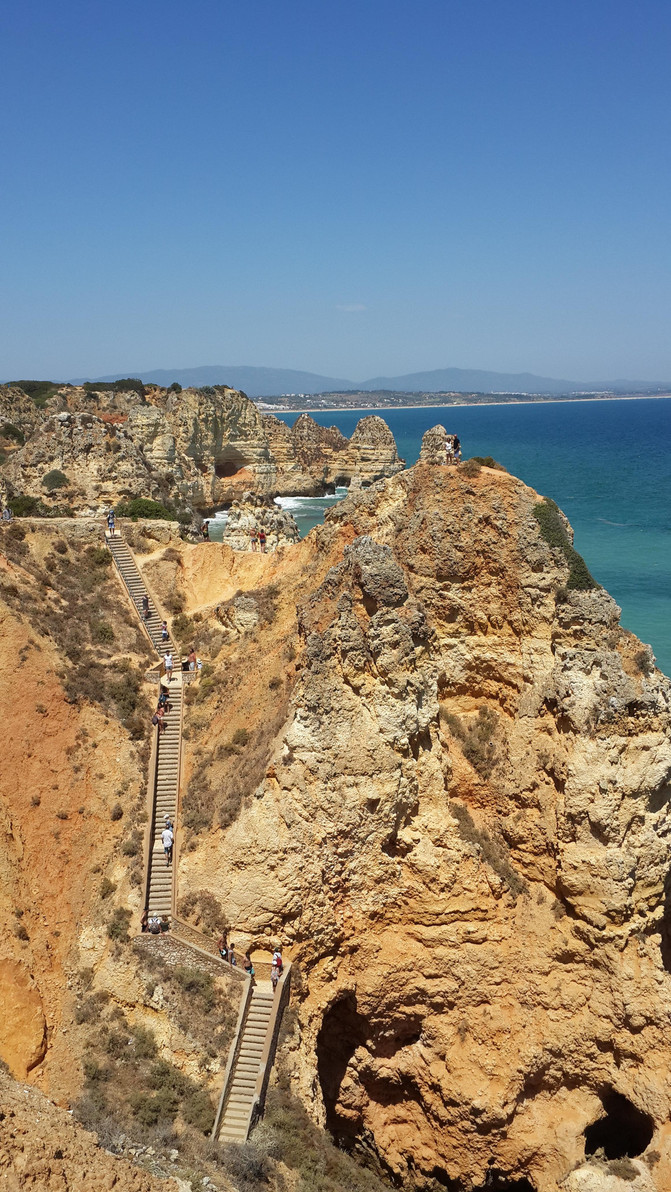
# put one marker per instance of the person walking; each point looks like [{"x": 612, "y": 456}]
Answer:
[
  {"x": 254, "y": 539},
  {"x": 222, "y": 945},
  {"x": 232, "y": 959},
  {"x": 160, "y": 717},
  {"x": 205, "y": 531},
  {"x": 192, "y": 659},
  {"x": 274, "y": 976},
  {"x": 167, "y": 840},
  {"x": 167, "y": 662},
  {"x": 164, "y": 631},
  {"x": 248, "y": 966},
  {"x": 262, "y": 540},
  {"x": 110, "y": 522},
  {"x": 145, "y": 607},
  {"x": 457, "y": 450},
  {"x": 169, "y": 824}
]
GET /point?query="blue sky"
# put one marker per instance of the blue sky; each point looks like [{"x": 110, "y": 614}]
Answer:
[{"x": 355, "y": 188}]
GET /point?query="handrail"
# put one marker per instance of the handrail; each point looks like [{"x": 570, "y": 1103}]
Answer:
[
  {"x": 159, "y": 612},
  {"x": 233, "y": 1051},
  {"x": 270, "y": 1044},
  {"x": 206, "y": 944},
  {"x": 151, "y": 814},
  {"x": 173, "y": 899}
]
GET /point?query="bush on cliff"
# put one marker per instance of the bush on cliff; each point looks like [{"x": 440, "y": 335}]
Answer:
[
  {"x": 54, "y": 479},
  {"x": 12, "y": 433},
  {"x": 38, "y": 391},
  {"x": 143, "y": 507},
  {"x": 555, "y": 534}
]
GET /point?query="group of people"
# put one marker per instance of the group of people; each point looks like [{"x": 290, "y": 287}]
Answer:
[
  {"x": 162, "y": 708},
  {"x": 452, "y": 449},
  {"x": 227, "y": 953},
  {"x": 258, "y": 539}
]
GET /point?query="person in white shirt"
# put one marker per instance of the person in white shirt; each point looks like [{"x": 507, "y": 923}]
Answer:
[
  {"x": 167, "y": 839},
  {"x": 167, "y": 662}
]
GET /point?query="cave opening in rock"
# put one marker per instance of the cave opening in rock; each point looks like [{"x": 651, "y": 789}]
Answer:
[
  {"x": 229, "y": 461},
  {"x": 497, "y": 1182},
  {"x": 622, "y": 1132},
  {"x": 342, "y": 1030}
]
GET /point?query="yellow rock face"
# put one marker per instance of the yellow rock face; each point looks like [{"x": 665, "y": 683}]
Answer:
[
  {"x": 22, "y": 1025},
  {"x": 460, "y": 837}
]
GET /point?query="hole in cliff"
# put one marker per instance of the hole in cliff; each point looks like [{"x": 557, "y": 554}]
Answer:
[
  {"x": 659, "y": 798},
  {"x": 623, "y": 1132},
  {"x": 229, "y": 462},
  {"x": 342, "y": 1030},
  {"x": 497, "y": 1182}
]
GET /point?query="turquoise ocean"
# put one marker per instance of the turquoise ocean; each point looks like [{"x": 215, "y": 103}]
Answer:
[{"x": 607, "y": 464}]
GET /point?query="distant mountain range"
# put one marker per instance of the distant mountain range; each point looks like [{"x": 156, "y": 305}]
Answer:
[{"x": 271, "y": 382}]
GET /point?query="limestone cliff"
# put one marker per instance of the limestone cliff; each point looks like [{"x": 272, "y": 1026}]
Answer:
[
  {"x": 427, "y": 760},
  {"x": 200, "y": 448},
  {"x": 461, "y": 836}
]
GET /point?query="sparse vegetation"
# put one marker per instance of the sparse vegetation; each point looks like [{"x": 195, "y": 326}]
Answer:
[
  {"x": 117, "y": 928},
  {"x": 470, "y": 468},
  {"x": 38, "y": 391},
  {"x": 487, "y": 461},
  {"x": 644, "y": 661},
  {"x": 54, "y": 479},
  {"x": 143, "y": 507},
  {"x": 493, "y": 848},
  {"x": 12, "y": 433},
  {"x": 205, "y": 911},
  {"x": 554, "y": 532},
  {"x": 477, "y": 739}
]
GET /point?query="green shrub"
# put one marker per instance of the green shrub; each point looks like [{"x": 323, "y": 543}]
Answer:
[
  {"x": 470, "y": 468},
  {"x": 9, "y": 431},
  {"x": 487, "y": 461},
  {"x": 175, "y": 388},
  {"x": 143, "y": 507},
  {"x": 145, "y": 1043},
  {"x": 117, "y": 928},
  {"x": 240, "y": 736},
  {"x": 23, "y": 506},
  {"x": 102, "y": 632},
  {"x": 116, "y": 812},
  {"x": 644, "y": 661},
  {"x": 54, "y": 479},
  {"x": 37, "y": 391},
  {"x": 555, "y": 534},
  {"x": 198, "y": 1111},
  {"x": 107, "y": 887}
]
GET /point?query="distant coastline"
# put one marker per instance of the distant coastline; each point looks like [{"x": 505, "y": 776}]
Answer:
[{"x": 455, "y": 405}]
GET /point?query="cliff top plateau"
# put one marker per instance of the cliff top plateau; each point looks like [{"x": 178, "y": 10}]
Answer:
[{"x": 424, "y": 759}]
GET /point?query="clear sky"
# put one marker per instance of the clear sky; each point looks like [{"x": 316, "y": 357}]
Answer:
[{"x": 354, "y": 187}]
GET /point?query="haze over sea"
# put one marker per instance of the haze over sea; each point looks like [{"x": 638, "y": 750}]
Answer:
[{"x": 607, "y": 464}]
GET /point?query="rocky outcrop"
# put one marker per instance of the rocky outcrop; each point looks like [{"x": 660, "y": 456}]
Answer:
[
  {"x": 252, "y": 514},
  {"x": 462, "y": 837},
  {"x": 101, "y": 462},
  {"x": 42, "y": 1147},
  {"x": 200, "y": 448},
  {"x": 317, "y": 458},
  {"x": 433, "y": 446}
]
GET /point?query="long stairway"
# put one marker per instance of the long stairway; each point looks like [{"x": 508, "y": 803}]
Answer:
[
  {"x": 136, "y": 587},
  {"x": 252, "y": 1050},
  {"x": 160, "y": 876},
  {"x": 239, "y": 1099}
]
